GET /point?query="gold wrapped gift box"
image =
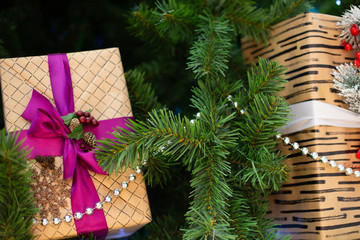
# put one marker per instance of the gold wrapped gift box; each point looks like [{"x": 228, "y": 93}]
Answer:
[
  {"x": 98, "y": 84},
  {"x": 318, "y": 201}
]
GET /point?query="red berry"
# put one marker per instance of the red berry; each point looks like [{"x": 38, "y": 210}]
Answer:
[
  {"x": 79, "y": 113},
  {"x": 348, "y": 47},
  {"x": 357, "y": 62},
  {"x": 95, "y": 122},
  {"x": 358, "y": 55},
  {"x": 91, "y": 117},
  {"x": 354, "y": 30},
  {"x": 82, "y": 119},
  {"x": 343, "y": 43},
  {"x": 88, "y": 120},
  {"x": 86, "y": 114}
]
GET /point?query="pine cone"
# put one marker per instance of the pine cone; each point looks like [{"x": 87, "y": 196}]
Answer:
[
  {"x": 74, "y": 123},
  {"x": 89, "y": 139},
  {"x": 39, "y": 158},
  {"x": 50, "y": 159}
]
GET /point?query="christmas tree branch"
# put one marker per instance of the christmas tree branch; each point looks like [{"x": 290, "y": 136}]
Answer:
[
  {"x": 209, "y": 53},
  {"x": 264, "y": 163},
  {"x": 142, "y": 24},
  {"x": 177, "y": 19},
  {"x": 16, "y": 199},
  {"x": 263, "y": 115},
  {"x": 247, "y": 18},
  {"x": 211, "y": 190},
  {"x": 163, "y": 133},
  {"x": 239, "y": 211}
]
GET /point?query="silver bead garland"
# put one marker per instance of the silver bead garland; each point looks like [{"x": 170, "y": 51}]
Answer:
[
  {"x": 314, "y": 155},
  {"x": 89, "y": 210}
]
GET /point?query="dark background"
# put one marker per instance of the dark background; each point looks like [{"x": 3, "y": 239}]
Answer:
[{"x": 40, "y": 27}]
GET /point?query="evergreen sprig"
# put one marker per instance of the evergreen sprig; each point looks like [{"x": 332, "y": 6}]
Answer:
[
  {"x": 210, "y": 52},
  {"x": 163, "y": 132},
  {"x": 176, "y": 19},
  {"x": 16, "y": 198}
]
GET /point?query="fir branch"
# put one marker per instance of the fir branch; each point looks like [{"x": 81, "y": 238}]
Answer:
[
  {"x": 176, "y": 18},
  {"x": 210, "y": 52},
  {"x": 268, "y": 165},
  {"x": 163, "y": 133},
  {"x": 211, "y": 191},
  {"x": 266, "y": 77},
  {"x": 263, "y": 116},
  {"x": 239, "y": 210},
  {"x": 157, "y": 170},
  {"x": 264, "y": 229},
  {"x": 142, "y": 95},
  {"x": 203, "y": 226},
  {"x": 16, "y": 198},
  {"x": 247, "y": 19},
  {"x": 142, "y": 24}
]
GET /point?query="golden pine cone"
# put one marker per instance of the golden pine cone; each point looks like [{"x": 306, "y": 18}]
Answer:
[
  {"x": 74, "y": 123},
  {"x": 89, "y": 139}
]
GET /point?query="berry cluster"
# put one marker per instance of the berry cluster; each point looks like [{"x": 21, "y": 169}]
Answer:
[
  {"x": 86, "y": 119},
  {"x": 354, "y": 30}
]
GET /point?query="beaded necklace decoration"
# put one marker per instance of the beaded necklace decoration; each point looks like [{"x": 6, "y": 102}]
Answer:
[
  {"x": 89, "y": 210},
  {"x": 304, "y": 151},
  {"x": 314, "y": 155}
]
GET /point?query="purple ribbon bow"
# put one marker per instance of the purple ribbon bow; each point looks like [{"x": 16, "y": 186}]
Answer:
[{"x": 47, "y": 135}]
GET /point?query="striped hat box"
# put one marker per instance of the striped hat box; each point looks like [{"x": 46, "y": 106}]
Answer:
[{"x": 318, "y": 201}]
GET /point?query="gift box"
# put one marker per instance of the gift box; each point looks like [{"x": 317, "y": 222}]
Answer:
[
  {"x": 321, "y": 199},
  {"x": 94, "y": 80}
]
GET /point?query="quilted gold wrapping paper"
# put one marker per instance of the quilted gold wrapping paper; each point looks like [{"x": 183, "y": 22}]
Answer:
[
  {"x": 318, "y": 201},
  {"x": 98, "y": 84}
]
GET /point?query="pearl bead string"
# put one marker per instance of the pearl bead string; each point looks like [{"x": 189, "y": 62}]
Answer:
[
  {"x": 314, "y": 155},
  {"x": 89, "y": 210},
  {"x": 304, "y": 151}
]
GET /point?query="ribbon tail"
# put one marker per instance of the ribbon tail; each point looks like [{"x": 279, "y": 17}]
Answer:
[
  {"x": 60, "y": 76},
  {"x": 83, "y": 195}
]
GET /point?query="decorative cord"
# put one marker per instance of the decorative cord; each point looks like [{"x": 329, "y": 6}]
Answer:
[{"x": 314, "y": 155}]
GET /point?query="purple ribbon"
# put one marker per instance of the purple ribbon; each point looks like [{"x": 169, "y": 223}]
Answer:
[{"x": 47, "y": 135}]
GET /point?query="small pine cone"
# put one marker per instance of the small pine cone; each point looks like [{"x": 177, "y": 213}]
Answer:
[
  {"x": 39, "y": 158},
  {"x": 51, "y": 166},
  {"x": 74, "y": 123},
  {"x": 50, "y": 159},
  {"x": 89, "y": 139}
]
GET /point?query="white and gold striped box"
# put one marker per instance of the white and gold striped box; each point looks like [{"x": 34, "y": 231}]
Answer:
[{"x": 318, "y": 201}]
